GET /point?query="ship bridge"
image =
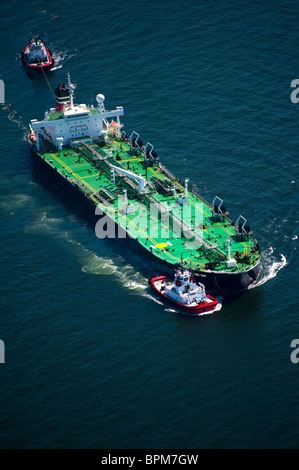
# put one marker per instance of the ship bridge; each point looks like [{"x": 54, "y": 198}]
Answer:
[
  {"x": 74, "y": 121},
  {"x": 80, "y": 110}
]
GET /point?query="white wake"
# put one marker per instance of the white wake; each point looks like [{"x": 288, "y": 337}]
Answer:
[{"x": 270, "y": 267}]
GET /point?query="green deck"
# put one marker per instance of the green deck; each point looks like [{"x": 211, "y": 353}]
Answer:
[{"x": 92, "y": 177}]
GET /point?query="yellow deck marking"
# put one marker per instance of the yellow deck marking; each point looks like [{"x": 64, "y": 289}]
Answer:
[
  {"x": 74, "y": 174},
  {"x": 161, "y": 245},
  {"x": 147, "y": 236},
  {"x": 89, "y": 176},
  {"x": 155, "y": 173},
  {"x": 130, "y": 160}
]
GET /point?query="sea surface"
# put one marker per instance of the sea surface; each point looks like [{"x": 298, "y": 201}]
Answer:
[{"x": 92, "y": 358}]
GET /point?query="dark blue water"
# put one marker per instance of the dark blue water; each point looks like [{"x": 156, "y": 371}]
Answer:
[{"x": 93, "y": 360}]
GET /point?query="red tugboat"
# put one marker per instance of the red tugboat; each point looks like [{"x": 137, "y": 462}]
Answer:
[
  {"x": 184, "y": 293},
  {"x": 36, "y": 56}
]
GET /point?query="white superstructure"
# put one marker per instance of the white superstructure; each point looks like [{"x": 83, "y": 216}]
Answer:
[
  {"x": 75, "y": 121},
  {"x": 36, "y": 52},
  {"x": 185, "y": 290}
]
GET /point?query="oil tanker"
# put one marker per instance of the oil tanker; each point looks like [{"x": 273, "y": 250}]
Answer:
[{"x": 85, "y": 149}]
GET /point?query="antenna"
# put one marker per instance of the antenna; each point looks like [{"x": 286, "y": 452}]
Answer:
[{"x": 71, "y": 88}]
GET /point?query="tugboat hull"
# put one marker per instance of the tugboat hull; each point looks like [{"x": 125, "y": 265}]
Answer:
[
  {"x": 39, "y": 60},
  {"x": 37, "y": 68},
  {"x": 207, "y": 306}
]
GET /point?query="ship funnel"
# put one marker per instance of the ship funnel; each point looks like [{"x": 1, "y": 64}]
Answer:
[{"x": 62, "y": 97}]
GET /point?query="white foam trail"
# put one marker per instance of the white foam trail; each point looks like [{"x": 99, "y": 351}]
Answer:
[
  {"x": 94, "y": 264},
  {"x": 13, "y": 116},
  {"x": 151, "y": 297},
  {"x": 131, "y": 279},
  {"x": 89, "y": 260},
  {"x": 59, "y": 58},
  {"x": 56, "y": 68},
  {"x": 44, "y": 224},
  {"x": 134, "y": 285},
  {"x": 98, "y": 265},
  {"x": 16, "y": 201},
  {"x": 270, "y": 268}
]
